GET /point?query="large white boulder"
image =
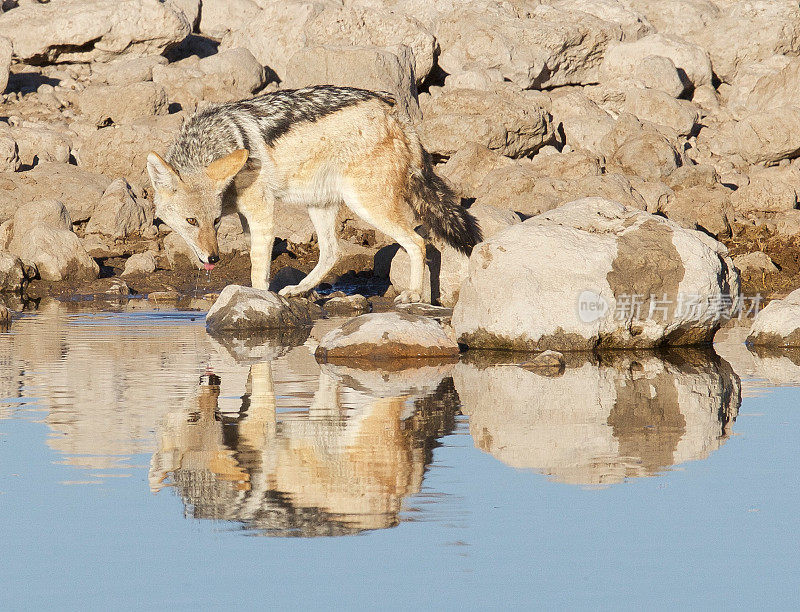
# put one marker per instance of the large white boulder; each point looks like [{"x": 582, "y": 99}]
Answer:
[{"x": 595, "y": 274}]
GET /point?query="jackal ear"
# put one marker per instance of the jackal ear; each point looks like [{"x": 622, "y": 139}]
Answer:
[
  {"x": 224, "y": 169},
  {"x": 162, "y": 174}
]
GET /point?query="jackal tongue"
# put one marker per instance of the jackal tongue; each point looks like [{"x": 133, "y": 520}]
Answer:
[{"x": 208, "y": 266}]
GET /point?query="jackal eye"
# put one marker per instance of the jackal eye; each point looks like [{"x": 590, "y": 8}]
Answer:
[
  {"x": 217, "y": 221},
  {"x": 191, "y": 221}
]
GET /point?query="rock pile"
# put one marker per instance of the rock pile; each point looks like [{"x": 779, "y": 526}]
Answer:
[{"x": 684, "y": 110}]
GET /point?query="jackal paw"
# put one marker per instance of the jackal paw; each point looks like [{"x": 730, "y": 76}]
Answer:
[
  {"x": 408, "y": 297},
  {"x": 291, "y": 291}
]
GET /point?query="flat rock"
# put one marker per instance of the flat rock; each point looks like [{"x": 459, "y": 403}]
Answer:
[
  {"x": 239, "y": 307},
  {"x": 387, "y": 336},
  {"x": 93, "y": 30}
]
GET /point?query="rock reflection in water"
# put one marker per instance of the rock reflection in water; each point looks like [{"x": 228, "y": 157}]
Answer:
[
  {"x": 343, "y": 467},
  {"x": 626, "y": 415}
]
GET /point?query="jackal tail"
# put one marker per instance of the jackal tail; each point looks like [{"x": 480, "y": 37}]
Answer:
[{"x": 436, "y": 204}]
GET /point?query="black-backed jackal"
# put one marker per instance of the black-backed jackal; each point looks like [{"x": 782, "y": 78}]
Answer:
[{"x": 318, "y": 146}]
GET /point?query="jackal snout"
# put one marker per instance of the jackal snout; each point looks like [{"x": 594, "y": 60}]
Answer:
[{"x": 207, "y": 242}]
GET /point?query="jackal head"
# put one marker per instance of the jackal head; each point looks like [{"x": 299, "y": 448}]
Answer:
[{"x": 192, "y": 204}]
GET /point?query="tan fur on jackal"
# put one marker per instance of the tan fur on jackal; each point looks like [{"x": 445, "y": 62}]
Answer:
[{"x": 320, "y": 147}]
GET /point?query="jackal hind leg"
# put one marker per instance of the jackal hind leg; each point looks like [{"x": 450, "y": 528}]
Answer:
[
  {"x": 386, "y": 210},
  {"x": 324, "y": 220}
]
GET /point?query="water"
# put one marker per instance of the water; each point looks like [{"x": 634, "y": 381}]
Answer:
[{"x": 144, "y": 464}]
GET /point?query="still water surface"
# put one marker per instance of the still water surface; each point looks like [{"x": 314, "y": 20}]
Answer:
[{"x": 145, "y": 464}]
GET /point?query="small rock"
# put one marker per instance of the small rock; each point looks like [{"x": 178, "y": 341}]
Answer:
[
  {"x": 140, "y": 263},
  {"x": 756, "y": 262},
  {"x": 346, "y": 305},
  {"x": 778, "y": 324},
  {"x": 241, "y": 307},
  {"x": 387, "y": 336},
  {"x": 120, "y": 213},
  {"x": 9, "y": 154},
  {"x": 546, "y": 360},
  {"x": 103, "y": 104},
  {"x": 163, "y": 296},
  {"x": 12, "y": 272}
]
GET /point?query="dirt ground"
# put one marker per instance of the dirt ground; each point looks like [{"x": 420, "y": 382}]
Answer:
[{"x": 785, "y": 253}]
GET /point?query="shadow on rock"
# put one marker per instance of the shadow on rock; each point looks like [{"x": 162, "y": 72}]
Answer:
[{"x": 606, "y": 418}]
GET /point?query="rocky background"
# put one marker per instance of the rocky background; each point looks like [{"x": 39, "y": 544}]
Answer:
[{"x": 685, "y": 109}]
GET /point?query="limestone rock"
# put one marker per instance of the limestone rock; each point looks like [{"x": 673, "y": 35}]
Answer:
[
  {"x": 219, "y": 17},
  {"x": 93, "y": 30},
  {"x": 777, "y": 324},
  {"x": 583, "y": 122},
  {"x": 239, "y": 308},
  {"x": 39, "y": 143},
  {"x": 769, "y": 190},
  {"x": 757, "y": 261},
  {"x": 223, "y": 77},
  {"x": 547, "y": 47},
  {"x": 121, "y": 150},
  {"x": 104, "y": 104},
  {"x": 594, "y": 274},
  {"x": 9, "y": 154},
  {"x": 346, "y": 305},
  {"x": 372, "y": 68},
  {"x": 57, "y": 254},
  {"x": 127, "y": 70},
  {"x": 79, "y": 190},
  {"x": 281, "y": 29},
  {"x": 387, "y": 336},
  {"x": 119, "y": 213},
  {"x": 467, "y": 166},
  {"x": 652, "y": 71},
  {"x": 701, "y": 208},
  {"x": 659, "y": 107},
  {"x": 762, "y": 137},
  {"x": 140, "y": 263},
  {"x": 505, "y": 121},
  {"x": 6, "y": 51},
  {"x": 12, "y": 272},
  {"x": 693, "y": 62}
]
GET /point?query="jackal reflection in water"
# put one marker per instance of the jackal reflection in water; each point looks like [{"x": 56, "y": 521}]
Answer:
[{"x": 343, "y": 468}]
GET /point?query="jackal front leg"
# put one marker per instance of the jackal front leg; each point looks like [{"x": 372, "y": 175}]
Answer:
[{"x": 258, "y": 207}]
